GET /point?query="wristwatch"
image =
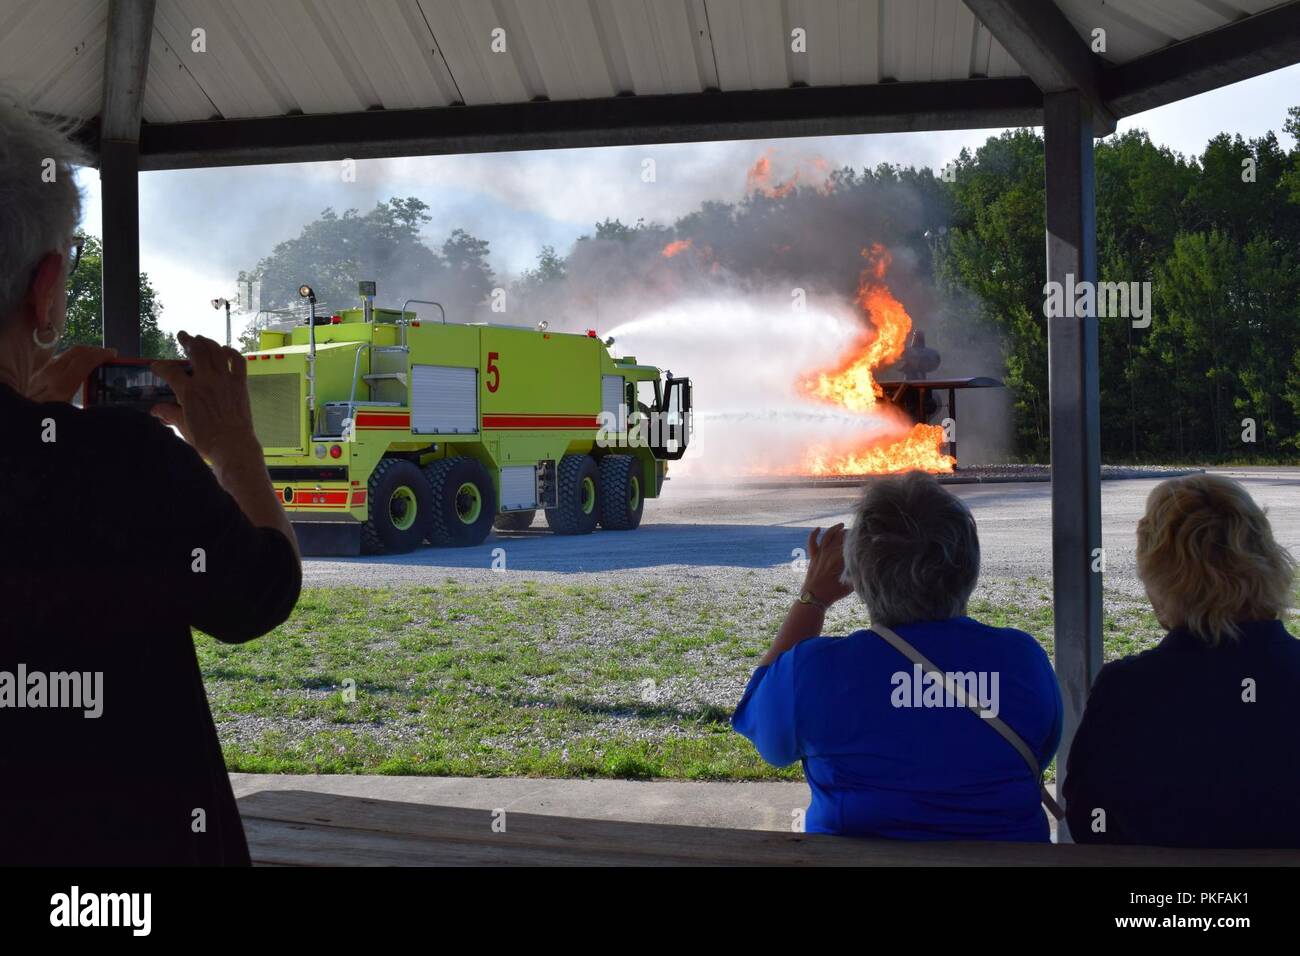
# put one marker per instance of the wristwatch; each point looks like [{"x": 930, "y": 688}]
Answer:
[{"x": 807, "y": 597}]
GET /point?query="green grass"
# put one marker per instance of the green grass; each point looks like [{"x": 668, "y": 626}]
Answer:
[{"x": 530, "y": 679}]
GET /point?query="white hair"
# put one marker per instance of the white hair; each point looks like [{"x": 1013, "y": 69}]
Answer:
[
  {"x": 40, "y": 204},
  {"x": 913, "y": 553}
]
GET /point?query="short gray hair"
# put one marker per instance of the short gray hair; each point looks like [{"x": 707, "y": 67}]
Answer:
[
  {"x": 913, "y": 553},
  {"x": 40, "y": 204}
]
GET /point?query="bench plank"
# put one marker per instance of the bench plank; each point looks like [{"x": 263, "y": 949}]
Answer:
[{"x": 305, "y": 828}]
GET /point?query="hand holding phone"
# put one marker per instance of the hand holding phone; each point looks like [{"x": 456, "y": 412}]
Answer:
[
  {"x": 209, "y": 402},
  {"x": 132, "y": 383},
  {"x": 59, "y": 379}
]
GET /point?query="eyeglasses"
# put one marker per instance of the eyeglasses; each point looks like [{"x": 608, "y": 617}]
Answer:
[{"x": 74, "y": 253}]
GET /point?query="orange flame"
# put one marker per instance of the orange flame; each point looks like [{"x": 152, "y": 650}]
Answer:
[
  {"x": 759, "y": 179},
  {"x": 673, "y": 248},
  {"x": 852, "y": 385},
  {"x": 813, "y": 172}
]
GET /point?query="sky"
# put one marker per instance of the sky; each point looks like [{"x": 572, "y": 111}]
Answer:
[{"x": 199, "y": 228}]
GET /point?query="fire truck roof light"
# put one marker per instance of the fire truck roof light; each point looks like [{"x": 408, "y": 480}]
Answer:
[{"x": 591, "y": 333}]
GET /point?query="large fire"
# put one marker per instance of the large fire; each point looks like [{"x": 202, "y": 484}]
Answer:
[{"x": 852, "y": 384}]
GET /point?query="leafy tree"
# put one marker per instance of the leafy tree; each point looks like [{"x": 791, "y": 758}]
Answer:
[
  {"x": 333, "y": 253},
  {"x": 85, "y": 324},
  {"x": 995, "y": 250}
]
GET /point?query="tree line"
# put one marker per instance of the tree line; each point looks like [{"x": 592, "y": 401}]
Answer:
[{"x": 1215, "y": 375}]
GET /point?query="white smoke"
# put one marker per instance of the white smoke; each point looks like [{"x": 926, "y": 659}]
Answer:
[{"x": 745, "y": 355}]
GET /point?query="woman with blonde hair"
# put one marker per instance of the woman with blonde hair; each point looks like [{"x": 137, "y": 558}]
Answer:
[{"x": 1192, "y": 743}]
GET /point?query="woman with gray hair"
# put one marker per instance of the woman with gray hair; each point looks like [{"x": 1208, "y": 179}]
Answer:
[
  {"x": 118, "y": 539},
  {"x": 887, "y": 721}
]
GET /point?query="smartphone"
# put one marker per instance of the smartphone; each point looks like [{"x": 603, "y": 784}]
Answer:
[{"x": 131, "y": 383}]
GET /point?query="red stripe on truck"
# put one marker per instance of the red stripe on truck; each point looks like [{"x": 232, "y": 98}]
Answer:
[
  {"x": 315, "y": 499},
  {"x": 540, "y": 421},
  {"x": 401, "y": 421}
]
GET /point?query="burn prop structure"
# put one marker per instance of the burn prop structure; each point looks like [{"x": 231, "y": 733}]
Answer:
[{"x": 914, "y": 392}]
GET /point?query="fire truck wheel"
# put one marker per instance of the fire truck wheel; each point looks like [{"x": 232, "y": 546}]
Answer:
[
  {"x": 464, "y": 502},
  {"x": 621, "y": 500},
  {"x": 578, "y": 487},
  {"x": 515, "y": 520},
  {"x": 400, "y": 508}
]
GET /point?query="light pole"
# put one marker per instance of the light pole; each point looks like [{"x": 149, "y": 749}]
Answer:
[
  {"x": 218, "y": 303},
  {"x": 306, "y": 292}
]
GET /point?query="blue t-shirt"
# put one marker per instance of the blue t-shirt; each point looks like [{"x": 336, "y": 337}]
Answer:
[{"x": 884, "y": 757}]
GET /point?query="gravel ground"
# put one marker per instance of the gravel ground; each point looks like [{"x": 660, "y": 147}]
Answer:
[{"x": 543, "y": 668}]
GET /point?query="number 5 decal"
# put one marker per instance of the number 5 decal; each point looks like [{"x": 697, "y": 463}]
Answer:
[{"x": 495, "y": 372}]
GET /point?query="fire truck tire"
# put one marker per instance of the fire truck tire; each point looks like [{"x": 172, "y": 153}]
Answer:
[
  {"x": 400, "y": 508},
  {"x": 515, "y": 520},
  {"x": 578, "y": 487},
  {"x": 621, "y": 497},
  {"x": 464, "y": 502}
]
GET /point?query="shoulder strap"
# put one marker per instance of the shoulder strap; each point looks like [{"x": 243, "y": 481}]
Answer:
[{"x": 997, "y": 723}]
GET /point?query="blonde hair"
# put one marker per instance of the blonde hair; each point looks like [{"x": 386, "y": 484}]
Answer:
[{"x": 1205, "y": 552}]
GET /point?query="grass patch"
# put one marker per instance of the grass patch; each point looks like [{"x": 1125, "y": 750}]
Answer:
[{"x": 533, "y": 679}]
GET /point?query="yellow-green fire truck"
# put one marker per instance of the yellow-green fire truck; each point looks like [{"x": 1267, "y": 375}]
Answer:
[{"x": 383, "y": 431}]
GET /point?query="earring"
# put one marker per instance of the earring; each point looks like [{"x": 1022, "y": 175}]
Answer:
[{"x": 41, "y": 343}]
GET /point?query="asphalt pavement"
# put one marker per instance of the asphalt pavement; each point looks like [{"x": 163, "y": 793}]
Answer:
[{"x": 698, "y": 529}]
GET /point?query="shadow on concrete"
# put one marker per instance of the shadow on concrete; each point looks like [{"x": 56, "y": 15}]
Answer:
[{"x": 722, "y": 545}]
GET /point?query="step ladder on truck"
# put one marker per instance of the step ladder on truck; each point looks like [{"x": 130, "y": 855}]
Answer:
[{"x": 383, "y": 431}]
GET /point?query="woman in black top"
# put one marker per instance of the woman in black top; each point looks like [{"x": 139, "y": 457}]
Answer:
[
  {"x": 1192, "y": 743},
  {"x": 117, "y": 539}
]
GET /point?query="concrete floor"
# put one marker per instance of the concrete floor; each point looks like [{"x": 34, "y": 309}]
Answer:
[
  {"x": 698, "y": 527},
  {"x": 740, "y": 806},
  {"x": 747, "y": 806}
]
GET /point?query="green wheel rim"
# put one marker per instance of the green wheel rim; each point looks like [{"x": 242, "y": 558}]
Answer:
[
  {"x": 402, "y": 508},
  {"x": 469, "y": 502},
  {"x": 633, "y": 494},
  {"x": 588, "y": 496}
]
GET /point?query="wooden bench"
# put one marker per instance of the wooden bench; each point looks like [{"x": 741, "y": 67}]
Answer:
[{"x": 302, "y": 828}]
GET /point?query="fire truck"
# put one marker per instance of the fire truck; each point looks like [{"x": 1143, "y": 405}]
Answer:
[{"x": 383, "y": 431}]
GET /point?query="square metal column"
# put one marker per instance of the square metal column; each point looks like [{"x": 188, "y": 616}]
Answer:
[
  {"x": 119, "y": 180},
  {"x": 1075, "y": 417}
]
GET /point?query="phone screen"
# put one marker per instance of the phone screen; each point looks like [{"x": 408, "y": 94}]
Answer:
[{"x": 132, "y": 384}]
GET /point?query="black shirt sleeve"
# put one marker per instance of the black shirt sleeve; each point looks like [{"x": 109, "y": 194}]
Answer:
[{"x": 230, "y": 579}]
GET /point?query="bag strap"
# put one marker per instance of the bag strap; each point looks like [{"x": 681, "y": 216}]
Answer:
[{"x": 997, "y": 723}]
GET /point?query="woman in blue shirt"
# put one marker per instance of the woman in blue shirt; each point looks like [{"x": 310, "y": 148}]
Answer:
[{"x": 885, "y": 751}]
